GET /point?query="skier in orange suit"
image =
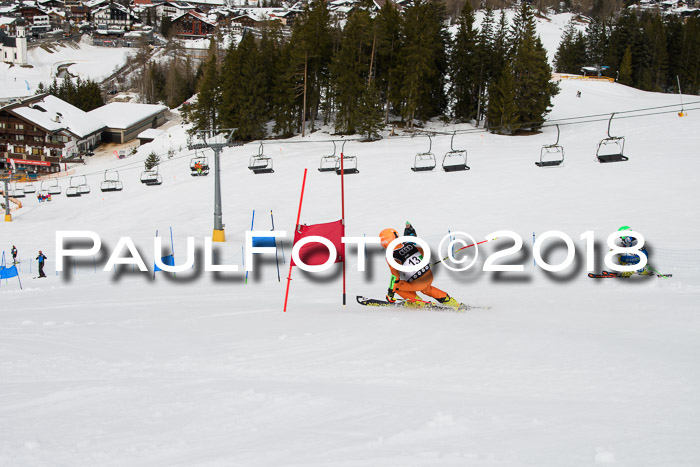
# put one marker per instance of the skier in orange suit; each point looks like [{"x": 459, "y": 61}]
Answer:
[{"x": 406, "y": 284}]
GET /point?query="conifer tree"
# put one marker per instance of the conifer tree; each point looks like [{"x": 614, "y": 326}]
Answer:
[
  {"x": 422, "y": 61},
  {"x": 152, "y": 161},
  {"x": 350, "y": 72},
  {"x": 388, "y": 26},
  {"x": 285, "y": 102},
  {"x": 465, "y": 67},
  {"x": 531, "y": 71},
  {"x": 502, "y": 113},
  {"x": 625, "y": 76},
  {"x": 166, "y": 26},
  {"x": 487, "y": 61},
  {"x": 597, "y": 36},
  {"x": 209, "y": 96},
  {"x": 655, "y": 32},
  {"x": 370, "y": 119},
  {"x": 250, "y": 114},
  {"x": 310, "y": 57},
  {"x": 571, "y": 53}
]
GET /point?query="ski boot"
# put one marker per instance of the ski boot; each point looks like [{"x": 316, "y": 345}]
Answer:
[
  {"x": 415, "y": 302},
  {"x": 449, "y": 301},
  {"x": 626, "y": 273}
]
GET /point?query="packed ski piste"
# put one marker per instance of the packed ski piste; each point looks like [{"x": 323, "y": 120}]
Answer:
[{"x": 437, "y": 296}]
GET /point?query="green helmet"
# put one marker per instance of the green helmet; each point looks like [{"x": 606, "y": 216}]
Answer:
[{"x": 624, "y": 227}]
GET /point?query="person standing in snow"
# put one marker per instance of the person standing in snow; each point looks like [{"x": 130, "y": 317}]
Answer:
[
  {"x": 409, "y": 231},
  {"x": 14, "y": 254},
  {"x": 406, "y": 284},
  {"x": 41, "y": 259}
]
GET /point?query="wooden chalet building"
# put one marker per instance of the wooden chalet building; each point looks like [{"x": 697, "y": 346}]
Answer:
[
  {"x": 40, "y": 132},
  {"x": 244, "y": 21},
  {"x": 28, "y": 12},
  {"x": 114, "y": 15},
  {"x": 193, "y": 24}
]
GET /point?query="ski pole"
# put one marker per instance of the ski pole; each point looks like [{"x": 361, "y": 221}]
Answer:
[
  {"x": 665, "y": 276},
  {"x": 463, "y": 248}
]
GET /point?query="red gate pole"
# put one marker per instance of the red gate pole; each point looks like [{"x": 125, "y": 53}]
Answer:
[
  {"x": 296, "y": 228},
  {"x": 342, "y": 208}
]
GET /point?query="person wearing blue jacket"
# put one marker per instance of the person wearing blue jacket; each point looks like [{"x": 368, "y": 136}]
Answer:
[{"x": 41, "y": 259}]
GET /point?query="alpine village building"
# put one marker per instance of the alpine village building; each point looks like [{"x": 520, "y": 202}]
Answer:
[{"x": 42, "y": 131}]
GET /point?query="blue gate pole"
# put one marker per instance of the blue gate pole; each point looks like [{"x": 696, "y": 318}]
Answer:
[
  {"x": 252, "y": 222},
  {"x": 276, "y": 257}
]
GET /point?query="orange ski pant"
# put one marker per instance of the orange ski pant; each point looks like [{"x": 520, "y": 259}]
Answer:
[{"x": 407, "y": 290}]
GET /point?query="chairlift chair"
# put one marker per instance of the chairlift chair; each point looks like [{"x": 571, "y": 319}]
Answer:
[
  {"x": 349, "y": 163},
  {"x": 15, "y": 191},
  {"x": 29, "y": 188},
  {"x": 72, "y": 191},
  {"x": 551, "y": 155},
  {"x": 425, "y": 161},
  {"x": 111, "y": 182},
  {"x": 260, "y": 163},
  {"x": 454, "y": 160},
  {"x": 328, "y": 163},
  {"x": 203, "y": 163},
  {"x": 44, "y": 188},
  {"x": 612, "y": 148},
  {"x": 80, "y": 183},
  {"x": 55, "y": 188},
  {"x": 151, "y": 177}
]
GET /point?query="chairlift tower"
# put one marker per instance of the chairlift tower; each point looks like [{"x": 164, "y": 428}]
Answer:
[
  {"x": 215, "y": 140},
  {"x": 6, "y": 179}
]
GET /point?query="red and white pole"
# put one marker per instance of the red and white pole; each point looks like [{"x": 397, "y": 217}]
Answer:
[{"x": 296, "y": 228}]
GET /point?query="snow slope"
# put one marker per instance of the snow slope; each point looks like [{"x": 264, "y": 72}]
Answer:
[
  {"x": 201, "y": 369},
  {"x": 87, "y": 61}
]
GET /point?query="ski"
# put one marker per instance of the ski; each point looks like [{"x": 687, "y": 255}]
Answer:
[
  {"x": 603, "y": 275},
  {"x": 610, "y": 275},
  {"x": 406, "y": 304}
]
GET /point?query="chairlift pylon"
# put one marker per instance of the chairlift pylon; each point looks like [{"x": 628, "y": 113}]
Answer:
[
  {"x": 612, "y": 148},
  {"x": 454, "y": 160},
  {"x": 425, "y": 161},
  {"x": 260, "y": 163},
  {"x": 328, "y": 162},
  {"x": 551, "y": 155},
  {"x": 111, "y": 182},
  {"x": 151, "y": 177},
  {"x": 199, "y": 165},
  {"x": 349, "y": 163}
]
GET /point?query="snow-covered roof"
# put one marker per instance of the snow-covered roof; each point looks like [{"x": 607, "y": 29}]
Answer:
[
  {"x": 54, "y": 114},
  {"x": 151, "y": 133},
  {"x": 209, "y": 2},
  {"x": 344, "y": 9},
  {"x": 95, "y": 3},
  {"x": 122, "y": 115},
  {"x": 4, "y": 20},
  {"x": 200, "y": 16},
  {"x": 115, "y": 6},
  {"x": 179, "y": 5}
]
